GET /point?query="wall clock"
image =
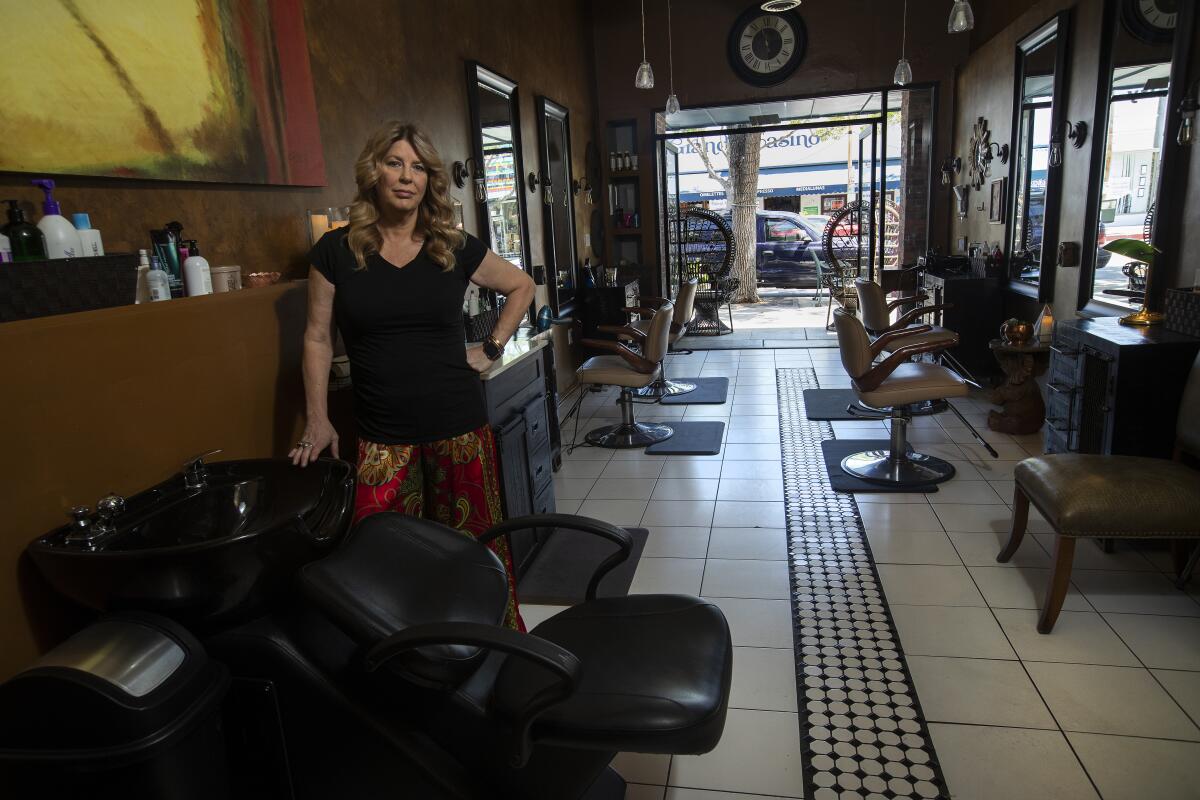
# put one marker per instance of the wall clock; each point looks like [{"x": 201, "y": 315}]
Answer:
[
  {"x": 765, "y": 48},
  {"x": 1152, "y": 21}
]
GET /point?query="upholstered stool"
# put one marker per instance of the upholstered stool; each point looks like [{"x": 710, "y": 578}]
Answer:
[{"x": 1097, "y": 496}]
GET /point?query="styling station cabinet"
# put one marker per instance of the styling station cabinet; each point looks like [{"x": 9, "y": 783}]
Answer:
[
  {"x": 515, "y": 393},
  {"x": 1114, "y": 389},
  {"x": 605, "y": 305}
]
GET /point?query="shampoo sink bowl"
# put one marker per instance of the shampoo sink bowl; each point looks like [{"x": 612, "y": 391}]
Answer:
[{"x": 209, "y": 553}]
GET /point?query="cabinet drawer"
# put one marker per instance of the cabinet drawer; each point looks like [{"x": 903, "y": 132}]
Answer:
[
  {"x": 537, "y": 428},
  {"x": 541, "y": 471},
  {"x": 543, "y": 503}
]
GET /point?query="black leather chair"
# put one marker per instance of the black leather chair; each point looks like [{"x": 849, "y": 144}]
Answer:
[{"x": 537, "y": 715}]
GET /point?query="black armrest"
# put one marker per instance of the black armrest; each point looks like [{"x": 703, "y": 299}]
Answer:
[
  {"x": 618, "y": 536},
  {"x": 562, "y": 663}
]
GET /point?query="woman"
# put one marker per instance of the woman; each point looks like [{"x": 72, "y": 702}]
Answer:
[{"x": 395, "y": 278}]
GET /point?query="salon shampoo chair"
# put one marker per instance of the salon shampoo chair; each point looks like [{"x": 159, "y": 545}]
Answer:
[{"x": 394, "y": 655}]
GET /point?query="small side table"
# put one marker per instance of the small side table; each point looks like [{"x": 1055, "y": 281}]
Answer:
[{"x": 1024, "y": 409}]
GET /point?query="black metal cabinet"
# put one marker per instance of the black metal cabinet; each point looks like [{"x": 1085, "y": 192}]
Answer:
[
  {"x": 518, "y": 412},
  {"x": 605, "y": 305},
  {"x": 1114, "y": 389},
  {"x": 975, "y": 317}
]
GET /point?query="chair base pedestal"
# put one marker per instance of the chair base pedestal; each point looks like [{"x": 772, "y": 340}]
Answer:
[
  {"x": 625, "y": 435},
  {"x": 913, "y": 469},
  {"x": 665, "y": 389}
]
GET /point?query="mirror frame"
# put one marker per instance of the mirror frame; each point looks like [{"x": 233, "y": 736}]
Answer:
[
  {"x": 548, "y": 110},
  {"x": 478, "y": 74},
  {"x": 1057, "y": 27},
  {"x": 1172, "y": 172}
]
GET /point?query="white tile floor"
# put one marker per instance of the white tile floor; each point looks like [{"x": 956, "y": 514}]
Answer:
[{"x": 1107, "y": 705}]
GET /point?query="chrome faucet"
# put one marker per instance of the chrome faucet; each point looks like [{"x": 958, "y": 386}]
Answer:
[
  {"x": 195, "y": 476},
  {"x": 88, "y": 533}
]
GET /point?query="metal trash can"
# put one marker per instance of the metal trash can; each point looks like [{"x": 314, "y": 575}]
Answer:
[{"x": 129, "y": 707}]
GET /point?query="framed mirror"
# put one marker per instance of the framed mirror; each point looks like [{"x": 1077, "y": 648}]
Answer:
[
  {"x": 1039, "y": 97},
  {"x": 554, "y": 195},
  {"x": 496, "y": 145},
  {"x": 1131, "y": 144}
]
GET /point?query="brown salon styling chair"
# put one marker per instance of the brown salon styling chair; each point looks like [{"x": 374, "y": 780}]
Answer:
[
  {"x": 629, "y": 370},
  {"x": 1113, "y": 497},
  {"x": 877, "y": 317},
  {"x": 685, "y": 302},
  {"x": 892, "y": 386}
]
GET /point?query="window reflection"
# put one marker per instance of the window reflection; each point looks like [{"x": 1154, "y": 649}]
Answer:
[
  {"x": 1032, "y": 159},
  {"x": 1137, "y": 114}
]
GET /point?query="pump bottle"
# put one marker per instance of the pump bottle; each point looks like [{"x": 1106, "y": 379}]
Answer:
[
  {"x": 196, "y": 273},
  {"x": 62, "y": 240}
]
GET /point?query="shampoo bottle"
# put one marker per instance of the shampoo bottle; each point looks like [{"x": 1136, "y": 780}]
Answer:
[
  {"x": 142, "y": 293},
  {"x": 158, "y": 281},
  {"x": 5, "y": 249},
  {"x": 196, "y": 273},
  {"x": 26, "y": 240},
  {"x": 89, "y": 237},
  {"x": 62, "y": 240}
]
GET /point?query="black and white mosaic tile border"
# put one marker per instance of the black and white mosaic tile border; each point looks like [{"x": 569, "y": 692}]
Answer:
[{"x": 862, "y": 734}]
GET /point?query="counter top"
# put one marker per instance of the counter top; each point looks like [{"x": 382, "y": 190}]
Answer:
[{"x": 516, "y": 351}]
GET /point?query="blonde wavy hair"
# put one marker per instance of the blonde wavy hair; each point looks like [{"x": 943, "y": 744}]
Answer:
[{"x": 435, "y": 215}]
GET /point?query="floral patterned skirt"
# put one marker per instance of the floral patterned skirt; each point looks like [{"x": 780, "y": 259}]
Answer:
[{"x": 451, "y": 481}]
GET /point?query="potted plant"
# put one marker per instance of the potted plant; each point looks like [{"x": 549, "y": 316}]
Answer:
[{"x": 1144, "y": 252}]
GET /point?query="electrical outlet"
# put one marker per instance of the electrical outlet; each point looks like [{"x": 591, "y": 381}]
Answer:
[{"x": 587, "y": 240}]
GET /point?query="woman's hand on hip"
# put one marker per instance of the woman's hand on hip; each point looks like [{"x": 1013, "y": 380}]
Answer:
[
  {"x": 478, "y": 359},
  {"x": 318, "y": 434}
]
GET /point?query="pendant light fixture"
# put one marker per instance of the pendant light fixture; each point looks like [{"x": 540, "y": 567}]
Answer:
[
  {"x": 962, "y": 18},
  {"x": 903, "y": 73},
  {"x": 779, "y": 6},
  {"x": 672, "y": 100},
  {"x": 645, "y": 75}
]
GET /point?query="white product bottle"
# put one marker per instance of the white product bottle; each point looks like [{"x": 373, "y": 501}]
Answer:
[
  {"x": 5, "y": 249},
  {"x": 197, "y": 277},
  {"x": 142, "y": 293},
  {"x": 89, "y": 237},
  {"x": 62, "y": 240},
  {"x": 158, "y": 282}
]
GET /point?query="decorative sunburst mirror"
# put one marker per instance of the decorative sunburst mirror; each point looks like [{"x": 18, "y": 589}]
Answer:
[{"x": 982, "y": 151}]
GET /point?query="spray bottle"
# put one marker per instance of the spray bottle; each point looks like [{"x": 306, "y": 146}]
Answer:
[{"x": 62, "y": 240}]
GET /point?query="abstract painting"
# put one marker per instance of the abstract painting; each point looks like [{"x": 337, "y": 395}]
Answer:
[{"x": 193, "y": 90}]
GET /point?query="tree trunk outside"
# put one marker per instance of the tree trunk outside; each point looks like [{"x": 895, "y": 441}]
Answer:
[{"x": 744, "y": 150}]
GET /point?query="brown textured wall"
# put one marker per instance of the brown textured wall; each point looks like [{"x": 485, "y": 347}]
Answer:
[
  {"x": 371, "y": 61},
  {"x": 853, "y": 45},
  {"x": 114, "y": 399}
]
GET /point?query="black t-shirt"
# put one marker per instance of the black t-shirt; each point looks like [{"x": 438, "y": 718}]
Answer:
[{"x": 404, "y": 334}]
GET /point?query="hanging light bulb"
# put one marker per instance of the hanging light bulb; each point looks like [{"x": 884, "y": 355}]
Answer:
[
  {"x": 962, "y": 18},
  {"x": 672, "y": 100},
  {"x": 645, "y": 75},
  {"x": 779, "y": 6},
  {"x": 903, "y": 73}
]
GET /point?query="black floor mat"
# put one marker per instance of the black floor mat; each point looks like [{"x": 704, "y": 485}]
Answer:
[
  {"x": 562, "y": 569},
  {"x": 691, "y": 439},
  {"x": 834, "y": 450},
  {"x": 829, "y": 404},
  {"x": 708, "y": 391}
]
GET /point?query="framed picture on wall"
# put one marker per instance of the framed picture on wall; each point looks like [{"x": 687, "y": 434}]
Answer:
[{"x": 996, "y": 205}]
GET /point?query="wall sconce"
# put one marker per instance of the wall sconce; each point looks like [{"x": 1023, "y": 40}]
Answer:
[
  {"x": 1187, "y": 112},
  {"x": 532, "y": 180},
  {"x": 1076, "y": 131},
  {"x": 581, "y": 185},
  {"x": 950, "y": 167},
  {"x": 460, "y": 171},
  {"x": 960, "y": 198}
]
